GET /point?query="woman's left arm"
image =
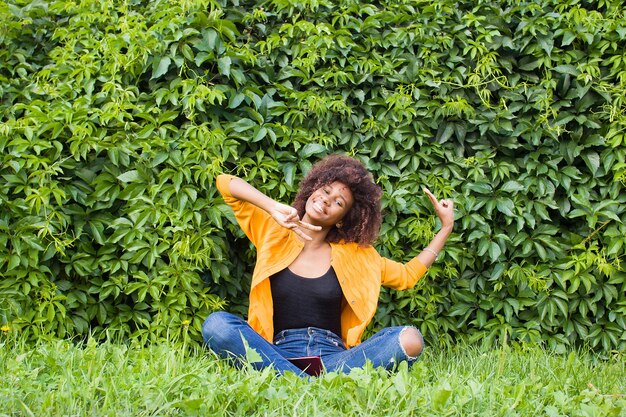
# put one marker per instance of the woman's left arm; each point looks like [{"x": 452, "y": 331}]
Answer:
[
  {"x": 402, "y": 276},
  {"x": 445, "y": 212}
]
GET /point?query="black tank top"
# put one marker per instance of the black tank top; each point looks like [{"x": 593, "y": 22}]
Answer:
[{"x": 306, "y": 302}]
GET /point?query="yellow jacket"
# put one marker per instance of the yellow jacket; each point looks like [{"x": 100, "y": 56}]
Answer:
[{"x": 360, "y": 270}]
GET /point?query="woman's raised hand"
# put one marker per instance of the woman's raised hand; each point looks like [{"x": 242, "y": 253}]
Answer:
[
  {"x": 443, "y": 208},
  {"x": 287, "y": 217}
]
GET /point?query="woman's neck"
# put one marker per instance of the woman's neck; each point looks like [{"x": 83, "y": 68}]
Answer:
[{"x": 318, "y": 239}]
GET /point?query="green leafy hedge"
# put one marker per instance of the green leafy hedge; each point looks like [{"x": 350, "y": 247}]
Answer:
[{"x": 117, "y": 115}]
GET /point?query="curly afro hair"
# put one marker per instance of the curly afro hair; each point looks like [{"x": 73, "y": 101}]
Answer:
[{"x": 362, "y": 223}]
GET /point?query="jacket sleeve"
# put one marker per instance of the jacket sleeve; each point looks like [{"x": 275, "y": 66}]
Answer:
[
  {"x": 401, "y": 276},
  {"x": 254, "y": 221}
]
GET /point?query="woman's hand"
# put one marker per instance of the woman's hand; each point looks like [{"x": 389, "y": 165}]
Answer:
[
  {"x": 443, "y": 208},
  {"x": 287, "y": 217},
  {"x": 445, "y": 211}
]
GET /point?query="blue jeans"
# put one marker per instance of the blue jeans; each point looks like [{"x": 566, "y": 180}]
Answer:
[{"x": 224, "y": 333}]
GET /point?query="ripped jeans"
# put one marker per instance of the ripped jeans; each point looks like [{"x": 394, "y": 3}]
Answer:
[{"x": 223, "y": 333}]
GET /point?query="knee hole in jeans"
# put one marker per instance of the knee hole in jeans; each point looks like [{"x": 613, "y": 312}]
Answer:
[{"x": 411, "y": 342}]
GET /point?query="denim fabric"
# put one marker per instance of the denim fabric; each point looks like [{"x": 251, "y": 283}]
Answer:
[{"x": 223, "y": 333}]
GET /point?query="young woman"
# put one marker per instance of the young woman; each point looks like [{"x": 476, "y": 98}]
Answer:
[{"x": 317, "y": 278}]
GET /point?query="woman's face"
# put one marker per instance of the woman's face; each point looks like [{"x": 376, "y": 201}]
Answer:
[{"x": 328, "y": 204}]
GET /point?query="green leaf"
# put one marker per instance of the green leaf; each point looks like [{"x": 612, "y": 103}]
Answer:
[
  {"x": 529, "y": 64},
  {"x": 159, "y": 158},
  {"x": 236, "y": 100},
  {"x": 161, "y": 68},
  {"x": 505, "y": 206},
  {"x": 546, "y": 43},
  {"x": 592, "y": 159},
  {"x": 568, "y": 38},
  {"x": 223, "y": 65},
  {"x": 260, "y": 134},
  {"x": 567, "y": 69},
  {"x": 391, "y": 170},
  {"x": 512, "y": 187},
  {"x": 459, "y": 310},
  {"x": 311, "y": 149},
  {"x": 14, "y": 261},
  {"x": 242, "y": 125},
  {"x": 130, "y": 176},
  {"x": 252, "y": 356},
  {"x": 289, "y": 171},
  {"x": 494, "y": 251},
  {"x": 208, "y": 41},
  {"x": 441, "y": 396},
  {"x": 446, "y": 133}
]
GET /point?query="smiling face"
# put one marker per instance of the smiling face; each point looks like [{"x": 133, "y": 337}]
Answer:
[{"x": 328, "y": 204}]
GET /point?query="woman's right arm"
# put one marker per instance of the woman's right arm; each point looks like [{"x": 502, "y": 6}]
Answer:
[
  {"x": 243, "y": 191},
  {"x": 284, "y": 215}
]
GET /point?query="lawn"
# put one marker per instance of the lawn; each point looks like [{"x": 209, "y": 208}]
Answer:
[{"x": 58, "y": 377}]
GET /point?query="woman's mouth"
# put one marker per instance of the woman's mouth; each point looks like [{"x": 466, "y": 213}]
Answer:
[{"x": 319, "y": 207}]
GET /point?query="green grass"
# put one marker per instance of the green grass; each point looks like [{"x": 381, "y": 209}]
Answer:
[{"x": 57, "y": 377}]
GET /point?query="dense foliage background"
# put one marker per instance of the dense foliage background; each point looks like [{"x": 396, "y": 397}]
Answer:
[{"x": 116, "y": 116}]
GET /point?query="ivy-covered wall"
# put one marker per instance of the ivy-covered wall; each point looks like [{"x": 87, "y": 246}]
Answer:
[{"x": 116, "y": 116}]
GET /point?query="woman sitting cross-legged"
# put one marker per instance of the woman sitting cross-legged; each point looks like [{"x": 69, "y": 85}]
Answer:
[{"x": 317, "y": 277}]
